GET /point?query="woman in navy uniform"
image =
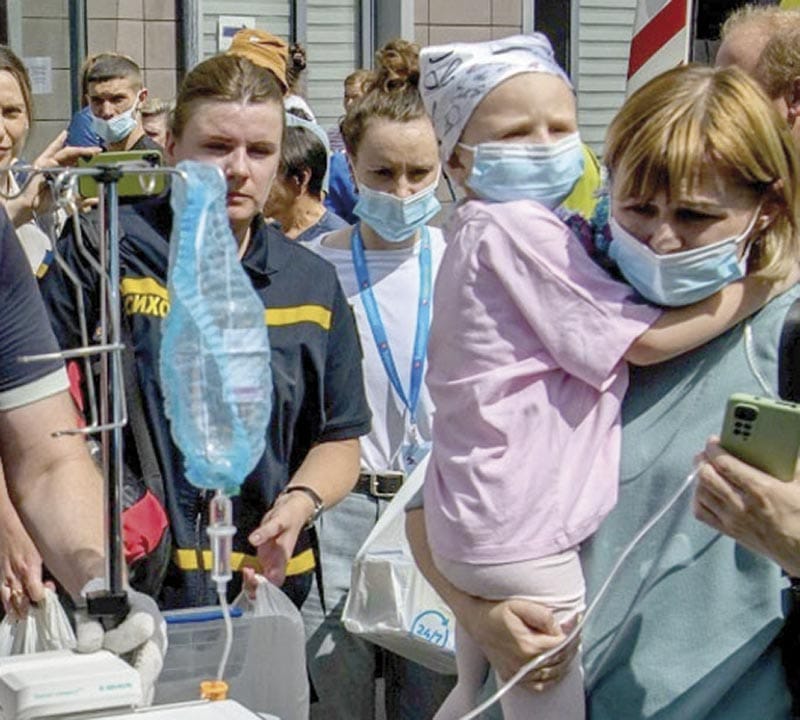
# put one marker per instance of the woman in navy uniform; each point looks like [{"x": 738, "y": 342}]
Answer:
[{"x": 230, "y": 112}]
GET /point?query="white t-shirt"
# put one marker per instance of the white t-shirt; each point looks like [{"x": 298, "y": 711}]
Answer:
[{"x": 395, "y": 283}]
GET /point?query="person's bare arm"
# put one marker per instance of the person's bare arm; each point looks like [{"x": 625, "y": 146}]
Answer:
[
  {"x": 55, "y": 488},
  {"x": 680, "y": 330},
  {"x": 510, "y": 632},
  {"x": 20, "y": 562},
  {"x": 331, "y": 470}
]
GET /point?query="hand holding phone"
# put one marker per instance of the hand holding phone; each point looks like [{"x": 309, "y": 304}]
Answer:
[{"x": 764, "y": 433}]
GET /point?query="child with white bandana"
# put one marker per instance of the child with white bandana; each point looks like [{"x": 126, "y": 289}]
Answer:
[{"x": 528, "y": 351}]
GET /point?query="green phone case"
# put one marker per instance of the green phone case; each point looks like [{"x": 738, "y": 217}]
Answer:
[
  {"x": 764, "y": 433},
  {"x": 130, "y": 184}
]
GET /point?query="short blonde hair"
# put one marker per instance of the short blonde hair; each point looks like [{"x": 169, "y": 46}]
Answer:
[
  {"x": 779, "y": 29},
  {"x": 779, "y": 63},
  {"x": 694, "y": 116},
  {"x": 156, "y": 106},
  {"x": 357, "y": 78},
  {"x": 765, "y": 18}
]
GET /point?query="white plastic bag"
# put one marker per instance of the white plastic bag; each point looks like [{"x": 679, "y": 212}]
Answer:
[
  {"x": 390, "y": 603},
  {"x": 266, "y": 670},
  {"x": 46, "y": 627},
  {"x": 282, "y": 679}
]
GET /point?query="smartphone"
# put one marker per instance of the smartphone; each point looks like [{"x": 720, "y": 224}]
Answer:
[
  {"x": 133, "y": 184},
  {"x": 764, "y": 433}
]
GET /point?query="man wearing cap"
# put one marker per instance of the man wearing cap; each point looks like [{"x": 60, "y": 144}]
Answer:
[{"x": 270, "y": 52}]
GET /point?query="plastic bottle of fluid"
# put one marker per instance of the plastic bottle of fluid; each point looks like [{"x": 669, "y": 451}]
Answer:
[{"x": 215, "y": 355}]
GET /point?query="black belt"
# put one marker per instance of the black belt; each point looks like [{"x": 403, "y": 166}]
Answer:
[{"x": 383, "y": 485}]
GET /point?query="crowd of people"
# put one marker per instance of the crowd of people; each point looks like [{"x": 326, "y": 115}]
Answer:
[{"x": 560, "y": 343}]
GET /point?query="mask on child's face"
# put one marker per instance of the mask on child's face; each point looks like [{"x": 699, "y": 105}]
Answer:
[
  {"x": 544, "y": 172},
  {"x": 680, "y": 278}
]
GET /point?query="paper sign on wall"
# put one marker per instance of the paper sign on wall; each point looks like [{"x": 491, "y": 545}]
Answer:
[
  {"x": 228, "y": 26},
  {"x": 40, "y": 70}
]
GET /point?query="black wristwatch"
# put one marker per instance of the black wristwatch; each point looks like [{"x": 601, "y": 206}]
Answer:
[{"x": 319, "y": 506}]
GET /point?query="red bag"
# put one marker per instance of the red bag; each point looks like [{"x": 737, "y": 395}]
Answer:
[{"x": 147, "y": 541}]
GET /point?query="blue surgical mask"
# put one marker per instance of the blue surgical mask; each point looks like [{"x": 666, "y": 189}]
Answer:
[
  {"x": 396, "y": 219},
  {"x": 117, "y": 128},
  {"x": 545, "y": 172},
  {"x": 680, "y": 278}
]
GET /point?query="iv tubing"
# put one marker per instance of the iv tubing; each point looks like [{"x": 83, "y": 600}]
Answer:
[
  {"x": 540, "y": 660},
  {"x": 226, "y": 614},
  {"x": 220, "y": 532}
]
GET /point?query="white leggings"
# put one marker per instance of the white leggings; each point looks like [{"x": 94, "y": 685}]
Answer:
[{"x": 555, "y": 581}]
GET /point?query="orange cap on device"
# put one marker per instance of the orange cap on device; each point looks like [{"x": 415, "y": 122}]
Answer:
[{"x": 214, "y": 690}]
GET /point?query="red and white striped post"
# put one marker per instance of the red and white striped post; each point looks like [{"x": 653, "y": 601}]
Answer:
[{"x": 661, "y": 37}]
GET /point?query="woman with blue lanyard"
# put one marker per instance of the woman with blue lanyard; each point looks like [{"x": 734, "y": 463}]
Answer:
[{"x": 387, "y": 265}]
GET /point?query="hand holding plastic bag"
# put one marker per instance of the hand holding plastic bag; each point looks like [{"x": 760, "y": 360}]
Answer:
[
  {"x": 281, "y": 687},
  {"x": 20, "y": 562},
  {"x": 259, "y": 596},
  {"x": 45, "y": 627},
  {"x": 140, "y": 639}
]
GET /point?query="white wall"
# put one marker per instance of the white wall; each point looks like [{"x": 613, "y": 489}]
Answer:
[
  {"x": 333, "y": 52},
  {"x": 600, "y": 63}
]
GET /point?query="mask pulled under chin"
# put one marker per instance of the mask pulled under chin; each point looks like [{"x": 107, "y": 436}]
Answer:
[
  {"x": 681, "y": 278},
  {"x": 117, "y": 128}
]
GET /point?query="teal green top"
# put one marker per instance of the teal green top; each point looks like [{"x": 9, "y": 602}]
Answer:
[{"x": 687, "y": 630}]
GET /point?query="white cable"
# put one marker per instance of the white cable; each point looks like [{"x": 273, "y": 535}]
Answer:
[
  {"x": 226, "y": 614},
  {"x": 540, "y": 660},
  {"x": 750, "y": 354}
]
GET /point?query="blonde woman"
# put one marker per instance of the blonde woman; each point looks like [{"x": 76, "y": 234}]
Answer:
[{"x": 696, "y": 157}]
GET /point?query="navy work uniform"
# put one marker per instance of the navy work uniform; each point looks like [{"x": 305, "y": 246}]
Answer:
[{"x": 316, "y": 371}]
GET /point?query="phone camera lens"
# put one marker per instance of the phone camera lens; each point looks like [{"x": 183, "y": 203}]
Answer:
[{"x": 745, "y": 412}]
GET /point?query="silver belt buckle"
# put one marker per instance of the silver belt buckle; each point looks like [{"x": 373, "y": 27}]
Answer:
[{"x": 374, "y": 479}]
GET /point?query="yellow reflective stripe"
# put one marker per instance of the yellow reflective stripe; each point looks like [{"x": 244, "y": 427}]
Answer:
[
  {"x": 143, "y": 286},
  {"x": 187, "y": 560},
  {"x": 292, "y": 315},
  {"x": 301, "y": 563},
  {"x": 300, "y": 313}
]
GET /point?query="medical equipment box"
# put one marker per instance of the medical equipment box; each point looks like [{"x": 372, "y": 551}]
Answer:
[
  {"x": 61, "y": 682},
  {"x": 266, "y": 670},
  {"x": 219, "y": 710}
]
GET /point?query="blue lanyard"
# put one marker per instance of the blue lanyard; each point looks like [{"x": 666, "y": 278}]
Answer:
[{"x": 379, "y": 331}]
